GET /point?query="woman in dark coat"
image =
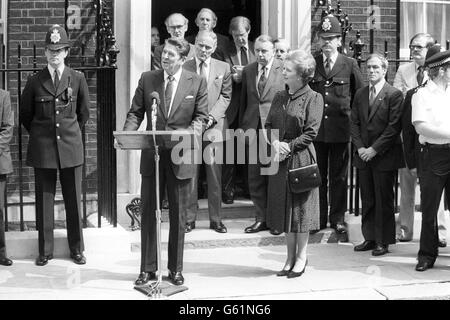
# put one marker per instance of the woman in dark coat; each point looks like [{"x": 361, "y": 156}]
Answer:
[{"x": 296, "y": 114}]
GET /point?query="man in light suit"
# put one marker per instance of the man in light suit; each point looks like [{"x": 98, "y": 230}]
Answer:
[
  {"x": 218, "y": 76},
  {"x": 408, "y": 77},
  {"x": 375, "y": 130},
  {"x": 176, "y": 25},
  {"x": 261, "y": 80},
  {"x": 6, "y": 133},
  {"x": 239, "y": 54},
  {"x": 183, "y": 105}
]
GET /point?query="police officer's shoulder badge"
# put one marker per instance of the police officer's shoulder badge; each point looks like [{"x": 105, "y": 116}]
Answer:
[
  {"x": 55, "y": 37},
  {"x": 326, "y": 25}
]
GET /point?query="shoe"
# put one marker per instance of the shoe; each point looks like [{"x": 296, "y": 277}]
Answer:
[
  {"x": 423, "y": 265},
  {"x": 442, "y": 243},
  {"x": 176, "y": 278},
  {"x": 340, "y": 228},
  {"x": 293, "y": 274},
  {"x": 275, "y": 232},
  {"x": 380, "y": 249},
  {"x": 283, "y": 273},
  {"x": 144, "y": 277},
  {"x": 165, "y": 204},
  {"x": 403, "y": 239},
  {"x": 218, "y": 227},
  {"x": 228, "y": 198},
  {"x": 256, "y": 227},
  {"x": 189, "y": 227},
  {"x": 4, "y": 261},
  {"x": 314, "y": 231},
  {"x": 365, "y": 246},
  {"x": 43, "y": 260},
  {"x": 78, "y": 257}
]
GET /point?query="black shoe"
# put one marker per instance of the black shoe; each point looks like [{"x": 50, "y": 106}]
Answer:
[
  {"x": 275, "y": 232},
  {"x": 423, "y": 265},
  {"x": 380, "y": 249},
  {"x": 256, "y": 227},
  {"x": 43, "y": 260},
  {"x": 442, "y": 243},
  {"x": 283, "y": 273},
  {"x": 78, "y": 257},
  {"x": 165, "y": 204},
  {"x": 218, "y": 227},
  {"x": 176, "y": 278},
  {"x": 314, "y": 231},
  {"x": 293, "y": 274},
  {"x": 4, "y": 261},
  {"x": 340, "y": 228},
  {"x": 228, "y": 198},
  {"x": 365, "y": 246},
  {"x": 189, "y": 227},
  {"x": 144, "y": 277}
]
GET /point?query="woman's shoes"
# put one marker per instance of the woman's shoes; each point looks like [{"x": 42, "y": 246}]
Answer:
[
  {"x": 293, "y": 274},
  {"x": 283, "y": 273}
]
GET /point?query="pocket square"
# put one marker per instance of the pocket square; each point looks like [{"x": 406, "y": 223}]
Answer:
[{"x": 189, "y": 97}]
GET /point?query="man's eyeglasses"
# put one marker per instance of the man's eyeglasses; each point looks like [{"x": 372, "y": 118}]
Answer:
[
  {"x": 416, "y": 47},
  {"x": 176, "y": 27}
]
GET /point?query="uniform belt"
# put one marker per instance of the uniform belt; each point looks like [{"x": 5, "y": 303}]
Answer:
[{"x": 438, "y": 146}]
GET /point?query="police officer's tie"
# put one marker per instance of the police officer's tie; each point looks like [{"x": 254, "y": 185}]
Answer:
[
  {"x": 327, "y": 66},
  {"x": 372, "y": 96},
  {"x": 262, "y": 81},
  {"x": 168, "y": 93},
  {"x": 419, "y": 75},
  {"x": 56, "y": 79},
  {"x": 244, "y": 59}
]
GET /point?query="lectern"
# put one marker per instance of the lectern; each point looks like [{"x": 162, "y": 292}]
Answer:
[{"x": 138, "y": 140}]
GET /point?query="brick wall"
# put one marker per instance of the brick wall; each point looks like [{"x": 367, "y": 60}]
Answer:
[
  {"x": 28, "y": 22},
  {"x": 357, "y": 13}
]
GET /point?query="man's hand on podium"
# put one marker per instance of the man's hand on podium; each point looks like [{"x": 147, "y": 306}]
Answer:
[{"x": 116, "y": 144}]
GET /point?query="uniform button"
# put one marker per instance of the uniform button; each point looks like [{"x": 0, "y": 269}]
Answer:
[
  {"x": 327, "y": 82},
  {"x": 326, "y": 117},
  {"x": 58, "y": 137},
  {"x": 326, "y": 105},
  {"x": 326, "y": 93},
  {"x": 57, "y": 100},
  {"x": 57, "y": 125},
  {"x": 57, "y": 112},
  {"x": 42, "y": 99},
  {"x": 342, "y": 81}
]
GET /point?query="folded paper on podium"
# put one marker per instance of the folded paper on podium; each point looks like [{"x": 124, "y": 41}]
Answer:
[{"x": 138, "y": 140}]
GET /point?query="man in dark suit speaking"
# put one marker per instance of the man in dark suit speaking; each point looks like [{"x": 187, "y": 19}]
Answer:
[
  {"x": 375, "y": 129},
  {"x": 184, "y": 105}
]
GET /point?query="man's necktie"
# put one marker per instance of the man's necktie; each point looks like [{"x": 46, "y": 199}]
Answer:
[
  {"x": 262, "y": 81},
  {"x": 202, "y": 68},
  {"x": 327, "y": 66},
  {"x": 56, "y": 80},
  {"x": 419, "y": 75},
  {"x": 244, "y": 59},
  {"x": 372, "y": 96},
  {"x": 168, "y": 93}
]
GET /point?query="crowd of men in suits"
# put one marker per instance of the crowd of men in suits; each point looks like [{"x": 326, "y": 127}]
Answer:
[{"x": 213, "y": 84}]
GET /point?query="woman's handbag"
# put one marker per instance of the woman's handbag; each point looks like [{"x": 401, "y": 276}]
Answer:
[{"x": 305, "y": 178}]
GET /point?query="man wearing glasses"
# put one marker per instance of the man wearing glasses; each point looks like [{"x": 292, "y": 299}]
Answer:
[
  {"x": 409, "y": 76},
  {"x": 176, "y": 25},
  {"x": 337, "y": 78}
]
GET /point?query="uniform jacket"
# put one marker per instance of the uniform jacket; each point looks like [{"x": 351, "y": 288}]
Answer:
[
  {"x": 54, "y": 119},
  {"x": 253, "y": 106},
  {"x": 189, "y": 110},
  {"x": 232, "y": 58},
  {"x": 219, "y": 96},
  {"x": 379, "y": 129},
  {"x": 6, "y": 132},
  {"x": 337, "y": 89},
  {"x": 156, "y": 58}
]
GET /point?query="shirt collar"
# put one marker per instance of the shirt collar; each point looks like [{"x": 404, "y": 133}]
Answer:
[
  {"x": 238, "y": 48},
  {"x": 434, "y": 87},
  {"x": 268, "y": 67},
  {"x": 378, "y": 86},
  {"x": 52, "y": 70},
  {"x": 207, "y": 62},
  {"x": 333, "y": 57},
  {"x": 177, "y": 75}
]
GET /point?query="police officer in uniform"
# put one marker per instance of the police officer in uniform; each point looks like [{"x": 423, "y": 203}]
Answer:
[
  {"x": 431, "y": 119},
  {"x": 337, "y": 78},
  {"x": 54, "y": 108}
]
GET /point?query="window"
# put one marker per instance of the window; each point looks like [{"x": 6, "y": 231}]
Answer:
[{"x": 428, "y": 16}]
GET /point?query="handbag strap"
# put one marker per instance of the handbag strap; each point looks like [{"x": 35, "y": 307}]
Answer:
[{"x": 291, "y": 156}]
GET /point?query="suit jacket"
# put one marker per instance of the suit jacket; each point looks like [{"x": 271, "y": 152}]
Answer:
[
  {"x": 54, "y": 119},
  {"x": 411, "y": 144},
  {"x": 406, "y": 78},
  {"x": 337, "y": 89},
  {"x": 255, "y": 107},
  {"x": 219, "y": 96},
  {"x": 189, "y": 111},
  {"x": 231, "y": 57},
  {"x": 223, "y": 43},
  {"x": 6, "y": 132},
  {"x": 379, "y": 129},
  {"x": 156, "y": 57}
]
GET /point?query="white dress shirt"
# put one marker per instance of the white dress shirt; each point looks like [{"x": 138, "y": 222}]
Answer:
[
  {"x": 260, "y": 71},
  {"x": 207, "y": 66},
  {"x": 333, "y": 59},
  {"x": 238, "y": 50},
  {"x": 52, "y": 71},
  {"x": 176, "y": 81}
]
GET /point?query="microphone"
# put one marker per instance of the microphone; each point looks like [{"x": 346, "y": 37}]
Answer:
[{"x": 155, "y": 101}]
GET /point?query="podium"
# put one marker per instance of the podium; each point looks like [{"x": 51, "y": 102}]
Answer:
[{"x": 138, "y": 140}]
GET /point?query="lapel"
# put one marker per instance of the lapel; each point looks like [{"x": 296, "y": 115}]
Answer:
[
  {"x": 234, "y": 55},
  {"x": 46, "y": 81},
  {"x": 365, "y": 104},
  {"x": 64, "y": 81},
  {"x": 274, "y": 71},
  {"x": 183, "y": 86},
  {"x": 212, "y": 73},
  {"x": 158, "y": 84},
  {"x": 338, "y": 65},
  {"x": 379, "y": 99}
]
